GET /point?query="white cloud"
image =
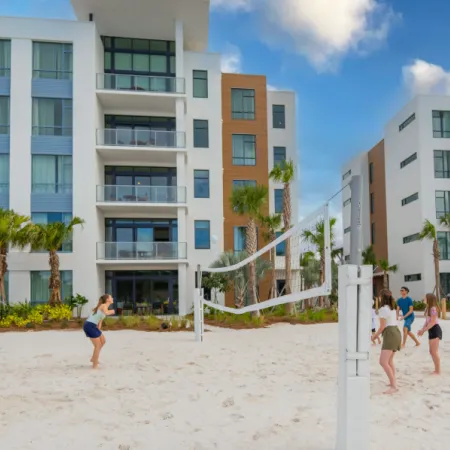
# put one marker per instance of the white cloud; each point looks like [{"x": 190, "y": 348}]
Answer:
[
  {"x": 422, "y": 77},
  {"x": 231, "y": 61},
  {"x": 270, "y": 87},
  {"x": 324, "y": 31}
]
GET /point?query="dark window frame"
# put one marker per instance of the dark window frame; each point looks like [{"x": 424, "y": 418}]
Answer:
[
  {"x": 199, "y": 76},
  {"x": 279, "y": 116},
  {"x": 197, "y": 173},
  {"x": 413, "y": 277},
  {"x": 347, "y": 230},
  {"x": 347, "y": 202},
  {"x": 5, "y": 71},
  {"x": 243, "y": 183},
  {"x": 443, "y": 238},
  {"x": 446, "y": 200},
  {"x": 276, "y": 195},
  {"x": 64, "y": 74},
  {"x": 438, "y": 117},
  {"x": 410, "y": 199},
  {"x": 247, "y": 139},
  {"x": 444, "y": 156},
  {"x": 408, "y": 160},
  {"x": 370, "y": 173},
  {"x": 346, "y": 174},
  {"x": 372, "y": 203},
  {"x": 411, "y": 238},
  {"x": 279, "y": 156},
  {"x": 202, "y": 140},
  {"x": 196, "y": 223},
  {"x": 242, "y": 114},
  {"x": 409, "y": 120},
  {"x": 372, "y": 233}
]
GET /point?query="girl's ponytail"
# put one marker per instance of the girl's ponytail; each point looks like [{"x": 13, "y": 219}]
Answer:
[{"x": 101, "y": 301}]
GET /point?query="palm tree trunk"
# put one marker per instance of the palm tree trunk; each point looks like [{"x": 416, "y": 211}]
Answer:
[
  {"x": 3, "y": 270},
  {"x": 274, "y": 289},
  {"x": 251, "y": 240},
  {"x": 287, "y": 213},
  {"x": 54, "y": 283},
  {"x": 385, "y": 280},
  {"x": 436, "y": 270},
  {"x": 322, "y": 276}
]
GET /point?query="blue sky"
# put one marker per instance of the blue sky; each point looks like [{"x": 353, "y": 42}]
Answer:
[{"x": 353, "y": 64}]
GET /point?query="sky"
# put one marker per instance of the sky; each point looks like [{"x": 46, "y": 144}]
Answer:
[{"x": 352, "y": 63}]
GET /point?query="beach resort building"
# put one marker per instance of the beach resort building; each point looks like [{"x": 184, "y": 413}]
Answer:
[
  {"x": 124, "y": 119},
  {"x": 411, "y": 174}
]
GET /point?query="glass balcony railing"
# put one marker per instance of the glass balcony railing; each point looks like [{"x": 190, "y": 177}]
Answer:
[
  {"x": 141, "y": 138},
  {"x": 143, "y": 83},
  {"x": 141, "y": 250},
  {"x": 141, "y": 194},
  {"x": 51, "y": 188}
]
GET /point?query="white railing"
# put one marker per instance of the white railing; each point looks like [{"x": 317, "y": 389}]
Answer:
[
  {"x": 141, "y": 138},
  {"x": 143, "y": 83},
  {"x": 141, "y": 250},
  {"x": 141, "y": 194}
]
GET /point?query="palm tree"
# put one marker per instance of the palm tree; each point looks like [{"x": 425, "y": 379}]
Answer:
[
  {"x": 248, "y": 201},
  {"x": 51, "y": 237},
  {"x": 429, "y": 232},
  {"x": 316, "y": 237},
  {"x": 383, "y": 264},
  {"x": 285, "y": 174},
  {"x": 240, "y": 277},
  {"x": 368, "y": 256},
  {"x": 272, "y": 224},
  {"x": 14, "y": 230}
]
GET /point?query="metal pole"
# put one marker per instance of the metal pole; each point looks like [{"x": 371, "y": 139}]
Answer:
[
  {"x": 355, "y": 221},
  {"x": 197, "y": 306}
]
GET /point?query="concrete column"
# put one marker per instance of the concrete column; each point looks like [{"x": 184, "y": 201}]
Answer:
[
  {"x": 179, "y": 61},
  {"x": 185, "y": 297},
  {"x": 20, "y": 129}
]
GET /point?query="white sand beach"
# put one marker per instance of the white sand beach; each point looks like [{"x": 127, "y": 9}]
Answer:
[{"x": 271, "y": 389}]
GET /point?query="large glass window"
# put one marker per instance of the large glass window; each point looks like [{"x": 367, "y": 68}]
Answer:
[
  {"x": 442, "y": 203},
  {"x": 445, "y": 282},
  {"x": 442, "y": 164},
  {"x": 443, "y": 238},
  {"x": 4, "y": 115},
  {"x": 51, "y": 174},
  {"x": 410, "y": 199},
  {"x": 281, "y": 248},
  {"x": 279, "y": 200},
  {"x": 200, "y": 80},
  {"x": 243, "y": 104},
  {"x": 5, "y": 58},
  {"x": 441, "y": 124},
  {"x": 279, "y": 156},
  {"x": 408, "y": 160},
  {"x": 201, "y": 134},
  {"x": 141, "y": 230},
  {"x": 202, "y": 235},
  {"x": 201, "y": 183},
  {"x": 242, "y": 183},
  {"x": 244, "y": 150},
  {"x": 239, "y": 239},
  {"x": 40, "y": 292},
  {"x": 52, "y": 117},
  {"x": 52, "y": 217},
  {"x": 4, "y": 174},
  {"x": 279, "y": 116},
  {"x": 52, "y": 60}
]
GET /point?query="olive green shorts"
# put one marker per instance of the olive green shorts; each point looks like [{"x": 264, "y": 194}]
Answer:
[{"x": 392, "y": 339}]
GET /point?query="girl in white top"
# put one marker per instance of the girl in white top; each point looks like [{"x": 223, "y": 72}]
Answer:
[{"x": 392, "y": 339}]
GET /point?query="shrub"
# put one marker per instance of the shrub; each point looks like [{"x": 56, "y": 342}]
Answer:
[
  {"x": 153, "y": 322},
  {"x": 419, "y": 306},
  {"x": 22, "y": 310},
  {"x": 6, "y": 322},
  {"x": 130, "y": 321},
  {"x": 109, "y": 321}
]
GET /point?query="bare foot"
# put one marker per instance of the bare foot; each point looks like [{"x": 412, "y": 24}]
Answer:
[
  {"x": 92, "y": 360},
  {"x": 95, "y": 366},
  {"x": 418, "y": 344},
  {"x": 403, "y": 345},
  {"x": 391, "y": 391},
  {"x": 435, "y": 374}
]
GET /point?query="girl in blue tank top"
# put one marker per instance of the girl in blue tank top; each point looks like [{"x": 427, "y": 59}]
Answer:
[{"x": 93, "y": 325}]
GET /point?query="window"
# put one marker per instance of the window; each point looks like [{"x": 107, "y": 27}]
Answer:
[
  {"x": 52, "y": 60},
  {"x": 410, "y": 119},
  {"x": 244, "y": 150},
  {"x": 445, "y": 282},
  {"x": 441, "y": 163},
  {"x": 278, "y": 116},
  {"x": 415, "y": 277},
  {"x": 441, "y": 124},
  {"x": 371, "y": 173},
  {"x": 5, "y": 58},
  {"x": 52, "y": 217},
  {"x": 242, "y": 183},
  {"x": 372, "y": 203},
  {"x": 4, "y": 115},
  {"x": 346, "y": 174},
  {"x": 281, "y": 248},
  {"x": 243, "y": 104},
  {"x": 52, "y": 117},
  {"x": 240, "y": 235},
  {"x": 4, "y": 174},
  {"x": 40, "y": 292},
  {"x": 408, "y": 160},
  {"x": 201, "y": 183},
  {"x": 202, "y": 235},
  {"x": 442, "y": 203},
  {"x": 279, "y": 156},
  {"x": 201, "y": 134},
  {"x": 411, "y": 238},
  {"x": 200, "y": 89},
  {"x": 347, "y": 258},
  {"x": 347, "y": 202},
  {"x": 410, "y": 199},
  {"x": 279, "y": 200},
  {"x": 372, "y": 233},
  {"x": 443, "y": 238},
  {"x": 347, "y": 230},
  {"x": 51, "y": 174}
]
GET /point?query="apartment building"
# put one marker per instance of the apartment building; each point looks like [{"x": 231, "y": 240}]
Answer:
[
  {"x": 417, "y": 188},
  {"x": 117, "y": 118}
]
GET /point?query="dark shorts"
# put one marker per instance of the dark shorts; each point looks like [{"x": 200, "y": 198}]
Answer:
[
  {"x": 373, "y": 330},
  {"x": 91, "y": 330},
  {"x": 408, "y": 322},
  {"x": 435, "y": 332}
]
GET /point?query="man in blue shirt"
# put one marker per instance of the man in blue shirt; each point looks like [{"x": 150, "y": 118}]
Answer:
[{"x": 405, "y": 305}]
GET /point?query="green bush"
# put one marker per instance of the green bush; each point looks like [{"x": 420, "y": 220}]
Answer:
[
  {"x": 130, "y": 321},
  {"x": 419, "y": 306}
]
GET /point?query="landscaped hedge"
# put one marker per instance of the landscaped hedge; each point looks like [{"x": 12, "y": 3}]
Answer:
[{"x": 23, "y": 314}]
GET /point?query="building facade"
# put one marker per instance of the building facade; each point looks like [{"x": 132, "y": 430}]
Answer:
[{"x": 117, "y": 118}]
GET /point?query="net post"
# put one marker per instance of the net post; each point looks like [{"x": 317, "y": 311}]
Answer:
[
  {"x": 327, "y": 256},
  {"x": 355, "y": 300},
  {"x": 355, "y": 221},
  {"x": 198, "y": 307}
]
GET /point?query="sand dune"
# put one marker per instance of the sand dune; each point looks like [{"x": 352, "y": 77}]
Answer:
[{"x": 271, "y": 389}]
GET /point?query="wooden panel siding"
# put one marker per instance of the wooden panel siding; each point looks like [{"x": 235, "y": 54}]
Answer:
[{"x": 259, "y": 172}]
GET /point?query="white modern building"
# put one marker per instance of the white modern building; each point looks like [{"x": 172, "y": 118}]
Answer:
[{"x": 116, "y": 118}]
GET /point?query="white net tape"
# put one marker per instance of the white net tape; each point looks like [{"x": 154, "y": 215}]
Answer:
[{"x": 309, "y": 240}]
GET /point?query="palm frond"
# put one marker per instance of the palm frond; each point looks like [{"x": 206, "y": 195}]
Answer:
[
  {"x": 428, "y": 231},
  {"x": 249, "y": 200},
  {"x": 283, "y": 173}
]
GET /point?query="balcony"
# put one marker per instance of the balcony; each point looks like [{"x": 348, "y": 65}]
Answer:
[
  {"x": 128, "y": 145},
  {"x": 141, "y": 252},
  {"x": 139, "y": 92},
  {"x": 137, "y": 198}
]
